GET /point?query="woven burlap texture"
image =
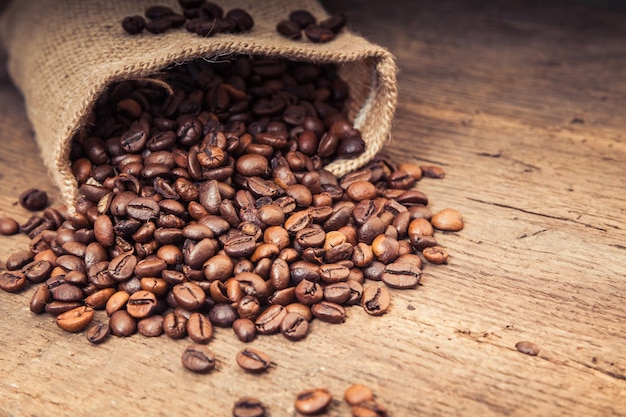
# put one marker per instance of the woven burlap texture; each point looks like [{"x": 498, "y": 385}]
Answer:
[{"x": 63, "y": 55}]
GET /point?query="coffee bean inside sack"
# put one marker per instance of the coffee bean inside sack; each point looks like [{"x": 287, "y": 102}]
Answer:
[{"x": 204, "y": 202}]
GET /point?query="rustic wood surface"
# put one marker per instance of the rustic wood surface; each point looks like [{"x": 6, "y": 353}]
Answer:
[{"x": 523, "y": 105}]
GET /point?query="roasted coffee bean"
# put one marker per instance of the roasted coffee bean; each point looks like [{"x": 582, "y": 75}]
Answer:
[
  {"x": 527, "y": 348},
  {"x": 189, "y": 295},
  {"x": 358, "y": 393},
  {"x": 151, "y": 326},
  {"x": 97, "y": 333},
  {"x": 302, "y": 17},
  {"x": 244, "y": 329},
  {"x": 222, "y": 315},
  {"x": 294, "y": 326},
  {"x": 338, "y": 292},
  {"x": 18, "y": 260},
  {"x": 123, "y": 266},
  {"x": 143, "y": 209},
  {"x": 66, "y": 292},
  {"x": 12, "y": 281},
  {"x": 385, "y": 248},
  {"x": 141, "y": 304},
  {"x": 289, "y": 29},
  {"x": 199, "y": 328},
  {"x": 133, "y": 24},
  {"x": 37, "y": 271},
  {"x": 40, "y": 298},
  {"x": 175, "y": 325},
  {"x": 253, "y": 360},
  {"x": 401, "y": 275},
  {"x": 448, "y": 219},
  {"x": 122, "y": 324},
  {"x": 8, "y": 226},
  {"x": 268, "y": 322},
  {"x": 99, "y": 299},
  {"x": 33, "y": 199},
  {"x": 75, "y": 320},
  {"x": 432, "y": 171},
  {"x": 329, "y": 312},
  {"x": 435, "y": 255},
  {"x": 313, "y": 401},
  {"x": 59, "y": 307},
  {"x": 248, "y": 407},
  {"x": 198, "y": 358},
  {"x": 242, "y": 19},
  {"x": 375, "y": 300},
  {"x": 308, "y": 292}
]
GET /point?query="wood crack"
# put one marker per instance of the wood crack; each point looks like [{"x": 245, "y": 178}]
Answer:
[
  {"x": 506, "y": 206},
  {"x": 604, "y": 371}
]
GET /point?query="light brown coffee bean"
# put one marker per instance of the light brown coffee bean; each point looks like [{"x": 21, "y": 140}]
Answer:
[
  {"x": 198, "y": 358},
  {"x": 527, "y": 348},
  {"x": 313, "y": 401},
  {"x": 75, "y": 320},
  {"x": 435, "y": 255},
  {"x": 253, "y": 360},
  {"x": 358, "y": 393},
  {"x": 448, "y": 219},
  {"x": 375, "y": 300}
]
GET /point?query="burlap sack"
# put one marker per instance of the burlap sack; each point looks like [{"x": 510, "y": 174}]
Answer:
[{"x": 64, "y": 54}]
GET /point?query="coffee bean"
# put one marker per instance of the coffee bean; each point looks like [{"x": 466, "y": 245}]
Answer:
[
  {"x": 358, "y": 393},
  {"x": 141, "y": 304},
  {"x": 122, "y": 324},
  {"x": 18, "y": 260},
  {"x": 199, "y": 328},
  {"x": 198, "y": 358},
  {"x": 8, "y": 226},
  {"x": 189, "y": 295},
  {"x": 151, "y": 326},
  {"x": 248, "y": 407},
  {"x": 41, "y": 297},
  {"x": 435, "y": 255},
  {"x": 401, "y": 275},
  {"x": 253, "y": 360},
  {"x": 33, "y": 199},
  {"x": 448, "y": 219},
  {"x": 527, "y": 348},
  {"x": 375, "y": 300},
  {"x": 313, "y": 401},
  {"x": 268, "y": 322},
  {"x": 75, "y": 320},
  {"x": 329, "y": 312},
  {"x": 175, "y": 325},
  {"x": 12, "y": 281},
  {"x": 222, "y": 315},
  {"x": 244, "y": 329},
  {"x": 302, "y": 17},
  {"x": 432, "y": 171},
  {"x": 97, "y": 333},
  {"x": 133, "y": 24},
  {"x": 294, "y": 326},
  {"x": 242, "y": 19},
  {"x": 289, "y": 29}
]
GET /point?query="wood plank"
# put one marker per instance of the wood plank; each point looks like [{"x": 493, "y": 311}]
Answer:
[{"x": 522, "y": 103}]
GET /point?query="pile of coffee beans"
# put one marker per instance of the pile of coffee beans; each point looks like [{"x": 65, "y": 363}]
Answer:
[
  {"x": 303, "y": 21},
  {"x": 204, "y": 202},
  {"x": 198, "y": 16}
]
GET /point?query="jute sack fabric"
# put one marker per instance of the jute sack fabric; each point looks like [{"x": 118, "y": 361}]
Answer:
[{"x": 64, "y": 54}]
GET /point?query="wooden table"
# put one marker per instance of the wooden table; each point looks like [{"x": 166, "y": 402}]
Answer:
[{"x": 523, "y": 105}]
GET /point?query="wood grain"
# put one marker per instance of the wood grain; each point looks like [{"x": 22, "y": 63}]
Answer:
[{"x": 523, "y": 104}]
